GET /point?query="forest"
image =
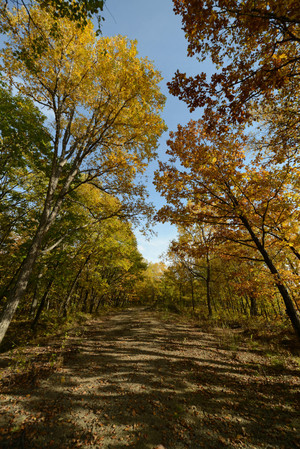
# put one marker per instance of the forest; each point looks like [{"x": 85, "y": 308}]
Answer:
[
  {"x": 99, "y": 347},
  {"x": 80, "y": 122}
]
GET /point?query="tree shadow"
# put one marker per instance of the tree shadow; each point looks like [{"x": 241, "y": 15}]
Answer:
[{"x": 138, "y": 382}]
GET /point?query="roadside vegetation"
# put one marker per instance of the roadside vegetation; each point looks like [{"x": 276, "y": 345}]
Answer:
[{"x": 81, "y": 120}]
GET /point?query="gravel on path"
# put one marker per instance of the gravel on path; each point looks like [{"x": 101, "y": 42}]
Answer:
[{"x": 133, "y": 380}]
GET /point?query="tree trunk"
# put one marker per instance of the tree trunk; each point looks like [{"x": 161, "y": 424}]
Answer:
[
  {"x": 66, "y": 302},
  {"x": 84, "y": 303},
  {"x": 92, "y": 301},
  {"x": 207, "y": 281},
  {"x": 34, "y": 302},
  {"x": 47, "y": 218},
  {"x": 42, "y": 303},
  {"x": 100, "y": 302},
  {"x": 6, "y": 289},
  {"x": 20, "y": 286},
  {"x": 253, "y": 306},
  {"x": 193, "y": 297},
  {"x": 45, "y": 295},
  {"x": 50, "y": 211},
  {"x": 243, "y": 306},
  {"x": 290, "y": 307}
]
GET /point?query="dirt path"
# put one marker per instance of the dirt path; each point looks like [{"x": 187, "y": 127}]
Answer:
[{"x": 135, "y": 381}]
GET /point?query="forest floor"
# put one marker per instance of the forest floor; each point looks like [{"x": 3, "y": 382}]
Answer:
[{"x": 133, "y": 379}]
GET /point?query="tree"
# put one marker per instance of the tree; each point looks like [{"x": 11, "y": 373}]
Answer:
[
  {"x": 105, "y": 105},
  {"x": 255, "y": 47},
  {"x": 150, "y": 288},
  {"x": 24, "y": 151},
  {"x": 79, "y": 11},
  {"x": 195, "y": 249},
  {"x": 24, "y": 145},
  {"x": 242, "y": 200},
  {"x": 89, "y": 258}
]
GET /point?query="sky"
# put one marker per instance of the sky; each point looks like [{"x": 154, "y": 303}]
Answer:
[{"x": 158, "y": 33}]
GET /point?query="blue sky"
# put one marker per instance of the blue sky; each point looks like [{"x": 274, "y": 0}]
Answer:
[{"x": 158, "y": 32}]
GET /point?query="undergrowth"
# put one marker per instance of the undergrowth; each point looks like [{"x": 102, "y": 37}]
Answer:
[
  {"x": 51, "y": 325},
  {"x": 258, "y": 333},
  {"x": 20, "y": 334}
]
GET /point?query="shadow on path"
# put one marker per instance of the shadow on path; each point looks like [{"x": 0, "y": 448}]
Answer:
[{"x": 135, "y": 381}]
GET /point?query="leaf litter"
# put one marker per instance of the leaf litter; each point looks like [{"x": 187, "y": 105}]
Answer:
[{"x": 134, "y": 380}]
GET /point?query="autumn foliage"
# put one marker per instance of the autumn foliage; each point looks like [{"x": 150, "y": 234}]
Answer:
[
  {"x": 240, "y": 181},
  {"x": 254, "y": 46},
  {"x": 104, "y": 106}
]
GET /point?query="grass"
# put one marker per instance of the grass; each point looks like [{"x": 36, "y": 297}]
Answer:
[
  {"x": 24, "y": 352},
  {"x": 275, "y": 341},
  {"x": 51, "y": 325},
  {"x": 256, "y": 333},
  {"x": 28, "y": 355},
  {"x": 20, "y": 334}
]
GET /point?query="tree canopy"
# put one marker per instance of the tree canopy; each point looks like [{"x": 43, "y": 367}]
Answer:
[
  {"x": 103, "y": 104},
  {"x": 240, "y": 181},
  {"x": 254, "y": 46}
]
